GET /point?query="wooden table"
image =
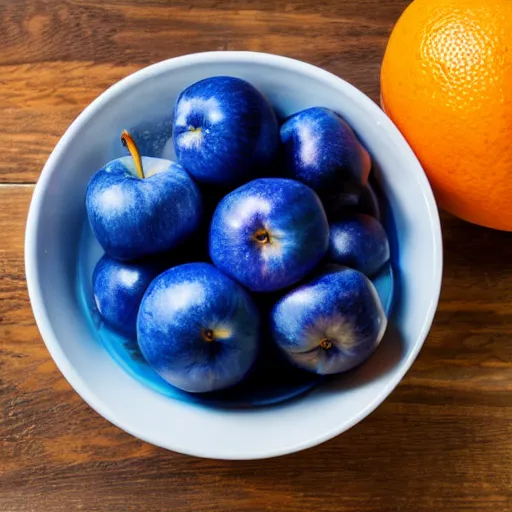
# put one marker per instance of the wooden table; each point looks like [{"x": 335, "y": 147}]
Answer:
[{"x": 443, "y": 439}]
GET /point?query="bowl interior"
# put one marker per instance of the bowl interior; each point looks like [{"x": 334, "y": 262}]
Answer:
[
  {"x": 272, "y": 379},
  {"x": 53, "y": 235}
]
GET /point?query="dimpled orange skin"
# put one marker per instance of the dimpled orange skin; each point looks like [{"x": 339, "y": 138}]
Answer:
[{"x": 446, "y": 82}]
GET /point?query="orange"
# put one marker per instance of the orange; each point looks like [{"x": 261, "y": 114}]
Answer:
[{"x": 446, "y": 82}]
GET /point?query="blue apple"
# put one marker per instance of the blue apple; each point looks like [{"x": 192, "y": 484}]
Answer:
[
  {"x": 142, "y": 206},
  {"x": 368, "y": 203},
  {"x": 322, "y": 151},
  {"x": 118, "y": 290},
  {"x": 330, "y": 324},
  {"x": 360, "y": 242},
  {"x": 198, "y": 329},
  {"x": 269, "y": 233},
  {"x": 224, "y": 131},
  {"x": 347, "y": 199}
]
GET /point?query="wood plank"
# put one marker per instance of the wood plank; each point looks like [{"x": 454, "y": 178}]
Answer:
[
  {"x": 58, "y": 56},
  {"x": 441, "y": 442}
]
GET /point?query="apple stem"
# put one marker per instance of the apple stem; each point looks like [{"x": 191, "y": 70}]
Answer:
[
  {"x": 208, "y": 335},
  {"x": 128, "y": 142},
  {"x": 262, "y": 236},
  {"x": 326, "y": 343}
]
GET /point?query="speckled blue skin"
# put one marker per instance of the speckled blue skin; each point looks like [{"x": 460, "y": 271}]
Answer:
[
  {"x": 340, "y": 306},
  {"x": 177, "y": 308},
  {"x": 224, "y": 131},
  {"x": 322, "y": 151},
  {"x": 292, "y": 215},
  {"x": 359, "y": 242},
  {"x": 134, "y": 217},
  {"x": 118, "y": 290}
]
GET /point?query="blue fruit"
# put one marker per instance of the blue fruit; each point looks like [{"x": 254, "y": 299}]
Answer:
[
  {"x": 198, "y": 329},
  {"x": 133, "y": 217},
  {"x": 322, "y": 151},
  {"x": 360, "y": 242},
  {"x": 269, "y": 233},
  {"x": 330, "y": 324},
  {"x": 118, "y": 290},
  {"x": 368, "y": 203},
  {"x": 349, "y": 199},
  {"x": 224, "y": 131}
]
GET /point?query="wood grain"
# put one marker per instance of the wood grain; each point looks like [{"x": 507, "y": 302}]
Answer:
[
  {"x": 58, "y": 56},
  {"x": 443, "y": 439}
]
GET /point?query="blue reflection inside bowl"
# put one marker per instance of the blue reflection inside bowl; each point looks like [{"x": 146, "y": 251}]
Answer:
[{"x": 272, "y": 379}]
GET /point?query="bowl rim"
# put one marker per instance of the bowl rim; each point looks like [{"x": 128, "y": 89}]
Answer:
[{"x": 243, "y": 57}]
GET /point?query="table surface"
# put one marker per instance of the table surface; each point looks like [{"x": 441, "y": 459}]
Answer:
[{"x": 441, "y": 442}]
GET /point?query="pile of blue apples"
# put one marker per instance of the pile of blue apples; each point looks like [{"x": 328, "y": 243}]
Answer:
[{"x": 253, "y": 208}]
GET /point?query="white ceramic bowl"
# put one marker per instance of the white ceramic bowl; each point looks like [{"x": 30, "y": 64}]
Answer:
[{"x": 52, "y": 236}]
